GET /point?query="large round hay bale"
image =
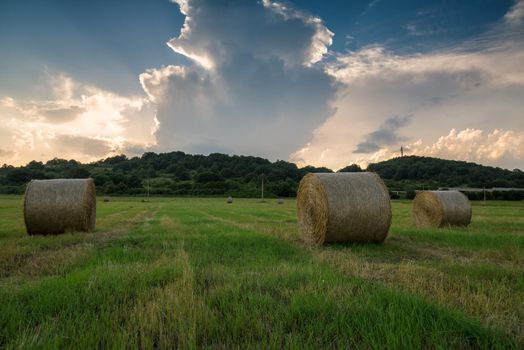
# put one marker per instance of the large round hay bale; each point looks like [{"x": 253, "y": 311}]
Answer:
[
  {"x": 343, "y": 207},
  {"x": 229, "y": 200},
  {"x": 54, "y": 206},
  {"x": 441, "y": 208}
]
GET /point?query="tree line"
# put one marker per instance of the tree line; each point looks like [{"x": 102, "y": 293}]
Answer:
[{"x": 178, "y": 173}]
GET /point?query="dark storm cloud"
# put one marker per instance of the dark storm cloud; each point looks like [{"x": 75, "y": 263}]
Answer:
[{"x": 386, "y": 135}]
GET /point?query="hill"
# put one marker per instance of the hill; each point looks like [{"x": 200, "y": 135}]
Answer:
[
  {"x": 414, "y": 172},
  {"x": 174, "y": 173},
  {"x": 178, "y": 173}
]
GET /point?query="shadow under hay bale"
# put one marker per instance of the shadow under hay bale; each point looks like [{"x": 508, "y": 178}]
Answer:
[
  {"x": 441, "y": 208},
  {"x": 55, "y": 206},
  {"x": 229, "y": 200},
  {"x": 343, "y": 207}
]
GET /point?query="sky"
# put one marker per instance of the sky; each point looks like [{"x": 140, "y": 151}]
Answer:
[{"x": 323, "y": 83}]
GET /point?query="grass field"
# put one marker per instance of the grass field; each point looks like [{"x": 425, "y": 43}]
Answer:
[{"x": 198, "y": 273}]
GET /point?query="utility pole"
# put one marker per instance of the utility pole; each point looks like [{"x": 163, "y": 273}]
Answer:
[
  {"x": 484, "y": 190},
  {"x": 401, "y": 151},
  {"x": 262, "y": 187},
  {"x": 148, "y": 188}
]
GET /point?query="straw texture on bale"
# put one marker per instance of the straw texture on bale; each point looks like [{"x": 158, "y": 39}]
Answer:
[
  {"x": 54, "y": 206},
  {"x": 343, "y": 207},
  {"x": 441, "y": 208}
]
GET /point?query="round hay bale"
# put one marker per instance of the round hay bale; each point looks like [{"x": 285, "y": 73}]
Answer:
[
  {"x": 106, "y": 199},
  {"x": 280, "y": 201},
  {"x": 343, "y": 207},
  {"x": 54, "y": 206},
  {"x": 229, "y": 200},
  {"x": 441, "y": 208}
]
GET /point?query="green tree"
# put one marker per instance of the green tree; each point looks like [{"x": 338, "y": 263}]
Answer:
[{"x": 353, "y": 168}]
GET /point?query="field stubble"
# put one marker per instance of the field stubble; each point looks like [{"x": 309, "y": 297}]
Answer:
[{"x": 196, "y": 273}]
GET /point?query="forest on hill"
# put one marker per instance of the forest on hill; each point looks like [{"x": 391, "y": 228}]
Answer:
[{"x": 178, "y": 173}]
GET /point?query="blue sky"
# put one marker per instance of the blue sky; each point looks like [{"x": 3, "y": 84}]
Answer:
[
  {"x": 359, "y": 77},
  {"x": 437, "y": 23},
  {"x": 107, "y": 43}
]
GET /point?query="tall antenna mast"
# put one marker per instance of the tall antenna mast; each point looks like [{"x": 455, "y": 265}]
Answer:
[{"x": 401, "y": 151}]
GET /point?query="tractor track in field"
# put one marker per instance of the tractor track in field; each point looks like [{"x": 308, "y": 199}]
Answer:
[
  {"x": 425, "y": 279},
  {"x": 20, "y": 260}
]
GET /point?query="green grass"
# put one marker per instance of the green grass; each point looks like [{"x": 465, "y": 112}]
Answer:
[{"x": 198, "y": 273}]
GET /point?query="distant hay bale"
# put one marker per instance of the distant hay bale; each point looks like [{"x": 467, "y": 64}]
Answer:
[
  {"x": 441, "y": 208},
  {"x": 343, "y": 207},
  {"x": 229, "y": 200},
  {"x": 280, "y": 201},
  {"x": 106, "y": 199},
  {"x": 54, "y": 206}
]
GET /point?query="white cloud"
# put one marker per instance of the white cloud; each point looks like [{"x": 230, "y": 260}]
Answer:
[
  {"x": 254, "y": 87},
  {"x": 263, "y": 30},
  {"x": 497, "y": 147},
  {"x": 515, "y": 15},
  {"x": 322, "y": 38},
  {"x": 63, "y": 88},
  {"x": 467, "y": 68},
  {"x": 76, "y": 121}
]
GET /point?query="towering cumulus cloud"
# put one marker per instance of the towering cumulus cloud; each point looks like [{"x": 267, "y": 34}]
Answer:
[{"x": 253, "y": 85}]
